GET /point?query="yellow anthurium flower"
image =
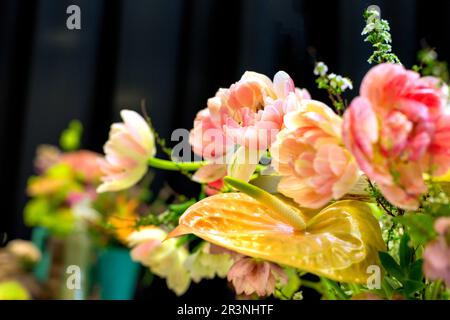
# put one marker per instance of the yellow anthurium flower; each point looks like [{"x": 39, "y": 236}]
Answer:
[{"x": 339, "y": 242}]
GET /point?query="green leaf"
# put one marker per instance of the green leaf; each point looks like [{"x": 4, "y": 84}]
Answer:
[
  {"x": 411, "y": 286},
  {"x": 420, "y": 227},
  {"x": 71, "y": 137},
  {"x": 405, "y": 252},
  {"x": 391, "y": 266},
  {"x": 388, "y": 287},
  {"x": 415, "y": 270}
]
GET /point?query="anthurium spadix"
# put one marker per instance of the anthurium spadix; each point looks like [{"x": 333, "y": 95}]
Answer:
[{"x": 339, "y": 242}]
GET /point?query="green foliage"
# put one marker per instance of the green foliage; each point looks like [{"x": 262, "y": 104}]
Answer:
[
  {"x": 419, "y": 227},
  {"x": 436, "y": 203},
  {"x": 429, "y": 65},
  {"x": 43, "y": 212},
  {"x": 407, "y": 273},
  {"x": 377, "y": 32},
  {"x": 406, "y": 253},
  {"x": 290, "y": 291},
  {"x": 381, "y": 201},
  {"x": 169, "y": 218},
  {"x": 334, "y": 84},
  {"x": 70, "y": 139}
]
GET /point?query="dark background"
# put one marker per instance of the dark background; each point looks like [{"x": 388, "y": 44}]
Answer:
[{"x": 175, "y": 54}]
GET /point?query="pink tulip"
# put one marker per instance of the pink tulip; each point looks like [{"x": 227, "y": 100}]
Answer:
[
  {"x": 310, "y": 156},
  {"x": 131, "y": 144},
  {"x": 397, "y": 130},
  {"x": 250, "y": 276}
]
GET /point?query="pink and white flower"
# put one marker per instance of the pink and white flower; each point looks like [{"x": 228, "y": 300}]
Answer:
[
  {"x": 396, "y": 130},
  {"x": 131, "y": 144},
  {"x": 165, "y": 258}
]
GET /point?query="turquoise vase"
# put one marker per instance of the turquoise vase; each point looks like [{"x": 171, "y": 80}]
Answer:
[
  {"x": 117, "y": 274},
  {"x": 39, "y": 237}
]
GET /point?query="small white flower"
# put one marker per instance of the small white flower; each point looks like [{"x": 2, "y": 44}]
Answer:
[
  {"x": 321, "y": 69},
  {"x": 346, "y": 84}
]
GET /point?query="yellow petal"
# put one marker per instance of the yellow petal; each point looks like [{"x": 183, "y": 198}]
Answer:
[{"x": 339, "y": 242}]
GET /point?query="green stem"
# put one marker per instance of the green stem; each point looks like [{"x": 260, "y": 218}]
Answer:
[
  {"x": 355, "y": 288},
  {"x": 334, "y": 286},
  {"x": 435, "y": 290},
  {"x": 175, "y": 166},
  {"x": 328, "y": 290},
  {"x": 313, "y": 285}
]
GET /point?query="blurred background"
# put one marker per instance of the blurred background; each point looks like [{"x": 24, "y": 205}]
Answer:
[{"x": 174, "y": 54}]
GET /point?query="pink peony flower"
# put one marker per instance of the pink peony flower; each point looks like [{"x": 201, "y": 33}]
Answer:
[
  {"x": 254, "y": 111},
  {"x": 207, "y": 137},
  {"x": 250, "y": 276},
  {"x": 310, "y": 156},
  {"x": 437, "y": 253},
  {"x": 397, "y": 129},
  {"x": 131, "y": 144},
  {"x": 249, "y": 113}
]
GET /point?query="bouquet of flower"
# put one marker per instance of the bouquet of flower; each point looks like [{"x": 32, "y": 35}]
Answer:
[{"x": 350, "y": 200}]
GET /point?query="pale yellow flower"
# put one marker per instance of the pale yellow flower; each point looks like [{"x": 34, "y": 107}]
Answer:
[
  {"x": 25, "y": 250},
  {"x": 164, "y": 258},
  {"x": 205, "y": 265}
]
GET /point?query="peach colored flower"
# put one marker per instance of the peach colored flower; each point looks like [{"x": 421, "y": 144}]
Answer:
[
  {"x": 131, "y": 144},
  {"x": 397, "y": 129},
  {"x": 84, "y": 163},
  {"x": 310, "y": 156},
  {"x": 437, "y": 253},
  {"x": 250, "y": 276}
]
